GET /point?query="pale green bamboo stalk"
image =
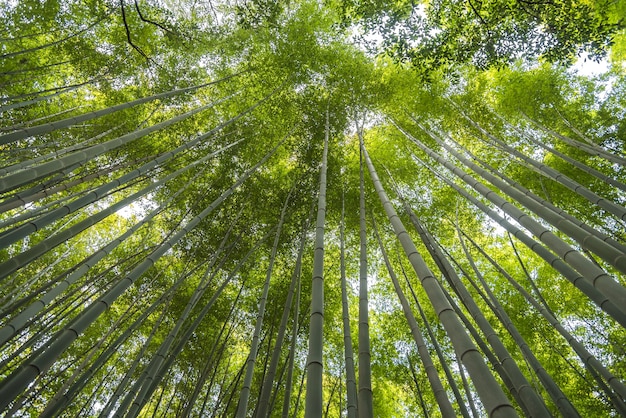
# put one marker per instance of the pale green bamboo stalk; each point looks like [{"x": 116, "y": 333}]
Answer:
[
  {"x": 442, "y": 360},
  {"x": 37, "y": 250},
  {"x": 600, "y": 279},
  {"x": 56, "y": 153},
  {"x": 315, "y": 361},
  {"x": 217, "y": 345},
  {"x": 417, "y": 388},
  {"x": 152, "y": 375},
  {"x": 244, "y": 395},
  {"x": 140, "y": 387},
  {"x": 121, "y": 386},
  {"x": 57, "y": 92},
  {"x": 531, "y": 400},
  {"x": 495, "y": 401},
  {"x": 558, "y": 397},
  {"x": 588, "y": 148},
  {"x": 264, "y": 398},
  {"x": 466, "y": 387},
  {"x": 292, "y": 351},
  {"x": 13, "y": 181},
  {"x": 64, "y": 123},
  {"x": 164, "y": 299},
  {"x": 33, "y": 121},
  {"x": 351, "y": 388},
  {"x": 13, "y": 385},
  {"x": 551, "y": 173},
  {"x": 584, "y": 167},
  {"x": 586, "y": 357},
  {"x": 48, "y": 411},
  {"x": 365, "y": 399},
  {"x": 141, "y": 400},
  {"x": 602, "y": 236},
  {"x": 218, "y": 359},
  {"x": 32, "y": 69},
  {"x": 31, "y": 195},
  {"x": 70, "y": 36},
  {"x": 58, "y": 312},
  {"x": 554, "y": 261},
  {"x": 23, "y": 231},
  {"x": 441, "y": 396}
]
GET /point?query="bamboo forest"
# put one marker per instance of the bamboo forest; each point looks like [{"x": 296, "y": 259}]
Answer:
[{"x": 316, "y": 208}]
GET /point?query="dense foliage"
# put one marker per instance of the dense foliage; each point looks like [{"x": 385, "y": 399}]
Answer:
[{"x": 196, "y": 196}]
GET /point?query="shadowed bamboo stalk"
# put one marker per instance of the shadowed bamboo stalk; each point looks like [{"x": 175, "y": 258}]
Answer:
[
  {"x": 588, "y": 148},
  {"x": 558, "y": 397},
  {"x": 587, "y": 169},
  {"x": 433, "y": 340},
  {"x": 589, "y": 240},
  {"x": 56, "y": 153},
  {"x": 586, "y": 357},
  {"x": 531, "y": 400},
  {"x": 37, "y": 250},
  {"x": 160, "y": 365},
  {"x": 292, "y": 353},
  {"x": 49, "y": 44},
  {"x": 551, "y": 173},
  {"x": 81, "y": 269},
  {"x": 13, "y": 181}
]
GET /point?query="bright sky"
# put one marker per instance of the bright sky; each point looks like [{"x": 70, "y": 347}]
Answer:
[{"x": 589, "y": 67}]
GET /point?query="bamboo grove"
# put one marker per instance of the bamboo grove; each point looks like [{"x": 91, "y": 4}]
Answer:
[{"x": 216, "y": 209}]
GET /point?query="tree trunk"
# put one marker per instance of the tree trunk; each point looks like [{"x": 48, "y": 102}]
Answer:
[{"x": 532, "y": 401}]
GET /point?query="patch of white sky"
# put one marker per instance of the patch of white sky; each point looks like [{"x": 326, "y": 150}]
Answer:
[
  {"x": 588, "y": 67},
  {"x": 138, "y": 209},
  {"x": 371, "y": 41}
]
